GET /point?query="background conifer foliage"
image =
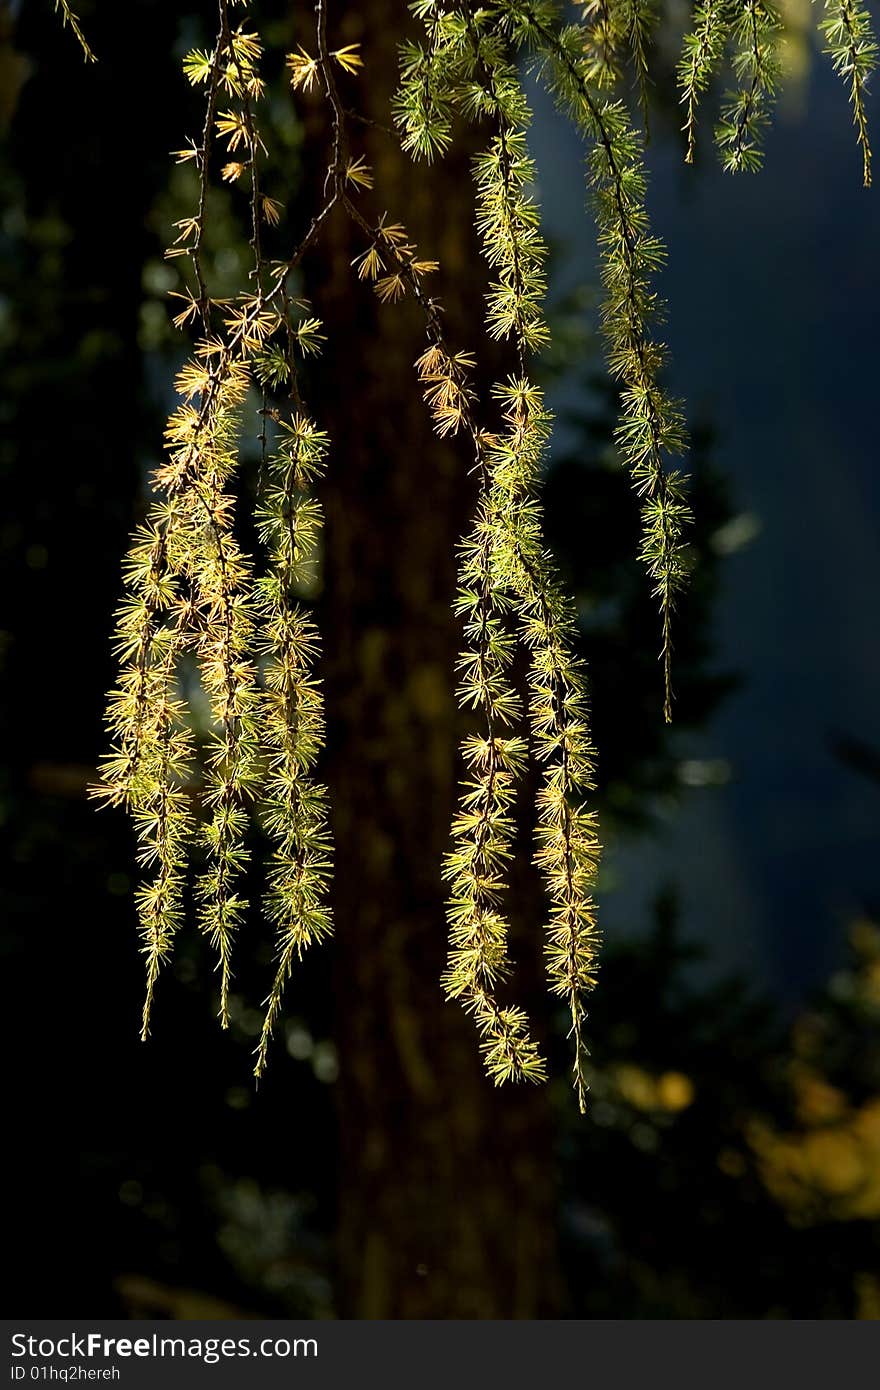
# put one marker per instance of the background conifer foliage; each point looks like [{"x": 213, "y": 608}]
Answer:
[{"x": 367, "y": 715}]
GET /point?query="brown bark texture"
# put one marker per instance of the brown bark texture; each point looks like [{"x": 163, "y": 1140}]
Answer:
[{"x": 447, "y": 1193}]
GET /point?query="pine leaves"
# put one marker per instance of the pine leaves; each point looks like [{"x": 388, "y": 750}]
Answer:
[
  {"x": 185, "y": 576},
  {"x": 849, "y": 41},
  {"x": 617, "y": 32},
  {"x": 483, "y": 830},
  {"x": 651, "y": 432},
  {"x": 71, "y": 21},
  {"x": 148, "y": 766},
  {"x": 193, "y": 596},
  {"x": 204, "y": 455},
  {"x": 508, "y": 221},
  {"x": 294, "y": 806},
  {"x": 197, "y": 609},
  {"x": 567, "y": 846},
  {"x": 702, "y": 54},
  {"x": 746, "y": 34},
  {"x": 745, "y": 112},
  {"x": 508, "y": 593}
]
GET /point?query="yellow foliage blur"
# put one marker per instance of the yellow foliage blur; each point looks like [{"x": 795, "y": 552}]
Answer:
[
  {"x": 671, "y": 1091},
  {"x": 827, "y": 1168}
]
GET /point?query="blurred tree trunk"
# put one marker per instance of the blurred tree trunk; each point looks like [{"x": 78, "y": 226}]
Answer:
[{"x": 447, "y": 1200}]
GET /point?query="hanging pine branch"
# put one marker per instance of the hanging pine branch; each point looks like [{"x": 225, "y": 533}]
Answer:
[
  {"x": 849, "y": 41},
  {"x": 702, "y": 55},
  {"x": 651, "y": 430},
  {"x": 71, "y": 21},
  {"x": 745, "y": 113},
  {"x": 294, "y": 805}
]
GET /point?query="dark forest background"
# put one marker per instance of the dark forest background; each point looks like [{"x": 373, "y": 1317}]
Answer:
[{"x": 730, "y": 1163}]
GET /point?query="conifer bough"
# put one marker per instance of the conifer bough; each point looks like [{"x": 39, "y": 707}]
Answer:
[{"x": 194, "y": 602}]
